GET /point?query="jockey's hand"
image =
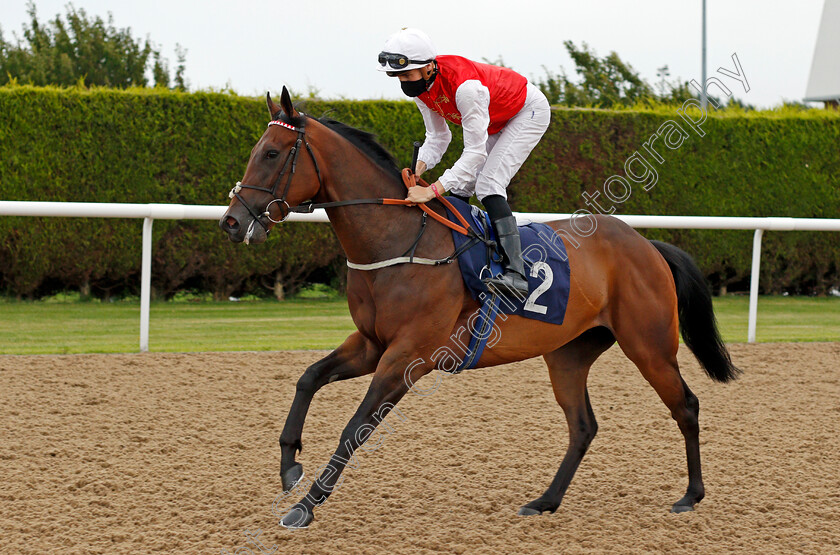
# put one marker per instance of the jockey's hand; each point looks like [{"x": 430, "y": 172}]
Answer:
[
  {"x": 419, "y": 168},
  {"x": 420, "y": 195}
]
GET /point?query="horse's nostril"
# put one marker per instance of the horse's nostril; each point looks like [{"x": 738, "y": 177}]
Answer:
[{"x": 229, "y": 224}]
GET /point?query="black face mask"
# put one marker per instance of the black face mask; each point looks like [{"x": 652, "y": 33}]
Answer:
[{"x": 413, "y": 88}]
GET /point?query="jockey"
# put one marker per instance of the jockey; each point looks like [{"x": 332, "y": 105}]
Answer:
[{"x": 503, "y": 118}]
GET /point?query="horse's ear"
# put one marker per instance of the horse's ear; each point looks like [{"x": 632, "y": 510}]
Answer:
[
  {"x": 286, "y": 103},
  {"x": 273, "y": 109}
]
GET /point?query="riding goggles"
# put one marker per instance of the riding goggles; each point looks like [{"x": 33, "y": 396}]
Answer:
[{"x": 398, "y": 61}]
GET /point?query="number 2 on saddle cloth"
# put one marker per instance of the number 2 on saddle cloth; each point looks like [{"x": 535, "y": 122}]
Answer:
[{"x": 546, "y": 265}]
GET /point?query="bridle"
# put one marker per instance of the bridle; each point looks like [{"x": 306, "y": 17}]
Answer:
[{"x": 290, "y": 165}]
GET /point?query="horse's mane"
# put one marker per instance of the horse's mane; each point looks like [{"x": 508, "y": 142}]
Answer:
[{"x": 366, "y": 142}]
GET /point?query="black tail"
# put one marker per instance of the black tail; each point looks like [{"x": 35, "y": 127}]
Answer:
[{"x": 697, "y": 318}]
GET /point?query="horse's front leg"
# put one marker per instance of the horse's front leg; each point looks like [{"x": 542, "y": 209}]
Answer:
[
  {"x": 355, "y": 357},
  {"x": 394, "y": 374}
]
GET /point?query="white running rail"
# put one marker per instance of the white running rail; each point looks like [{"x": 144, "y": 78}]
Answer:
[{"x": 151, "y": 212}]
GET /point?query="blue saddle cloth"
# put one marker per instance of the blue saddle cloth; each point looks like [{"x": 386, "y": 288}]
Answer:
[{"x": 546, "y": 266}]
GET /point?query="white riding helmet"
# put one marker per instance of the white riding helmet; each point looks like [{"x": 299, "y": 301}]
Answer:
[{"x": 405, "y": 50}]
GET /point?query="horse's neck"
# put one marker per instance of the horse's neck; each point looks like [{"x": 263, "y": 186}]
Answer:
[{"x": 367, "y": 232}]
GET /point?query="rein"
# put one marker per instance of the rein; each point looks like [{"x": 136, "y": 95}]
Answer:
[
  {"x": 408, "y": 177},
  {"x": 410, "y": 180}
]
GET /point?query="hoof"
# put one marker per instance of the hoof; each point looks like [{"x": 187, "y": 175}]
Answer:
[
  {"x": 292, "y": 477},
  {"x": 537, "y": 507},
  {"x": 677, "y": 508},
  {"x": 298, "y": 517},
  {"x": 688, "y": 501}
]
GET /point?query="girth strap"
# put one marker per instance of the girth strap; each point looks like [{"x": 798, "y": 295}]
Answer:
[
  {"x": 418, "y": 260},
  {"x": 398, "y": 260}
]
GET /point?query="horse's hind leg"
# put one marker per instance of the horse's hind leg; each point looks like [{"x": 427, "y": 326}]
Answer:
[
  {"x": 653, "y": 348},
  {"x": 568, "y": 368},
  {"x": 355, "y": 357}
]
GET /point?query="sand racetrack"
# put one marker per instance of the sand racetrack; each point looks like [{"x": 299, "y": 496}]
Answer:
[{"x": 177, "y": 453}]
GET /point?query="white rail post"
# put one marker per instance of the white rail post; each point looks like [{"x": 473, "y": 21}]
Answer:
[
  {"x": 145, "y": 284},
  {"x": 756, "y": 267}
]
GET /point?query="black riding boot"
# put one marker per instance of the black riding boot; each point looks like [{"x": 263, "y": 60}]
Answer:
[{"x": 512, "y": 283}]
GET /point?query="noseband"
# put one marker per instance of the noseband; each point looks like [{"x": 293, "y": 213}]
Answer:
[{"x": 290, "y": 165}]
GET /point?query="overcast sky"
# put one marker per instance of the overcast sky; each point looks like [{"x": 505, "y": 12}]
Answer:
[{"x": 253, "y": 46}]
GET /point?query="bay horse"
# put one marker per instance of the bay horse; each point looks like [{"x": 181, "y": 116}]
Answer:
[{"x": 624, "y": 288}]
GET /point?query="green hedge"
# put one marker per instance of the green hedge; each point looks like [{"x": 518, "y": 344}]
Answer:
[
  {"x": 148, "y": 145},
  {"x": 139, "y": 146}
]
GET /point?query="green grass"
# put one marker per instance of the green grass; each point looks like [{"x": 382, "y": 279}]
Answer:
[
  {"x": 79, "y": 327},
  {"x": 47, "y": 328},
  {"x": 780, "y": 318}
]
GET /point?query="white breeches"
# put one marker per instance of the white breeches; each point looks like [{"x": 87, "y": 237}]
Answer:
[{"x": 508, "y": 149}]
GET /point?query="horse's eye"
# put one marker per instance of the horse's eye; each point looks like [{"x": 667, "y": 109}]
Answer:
[{"x": 272, "y": 154}]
